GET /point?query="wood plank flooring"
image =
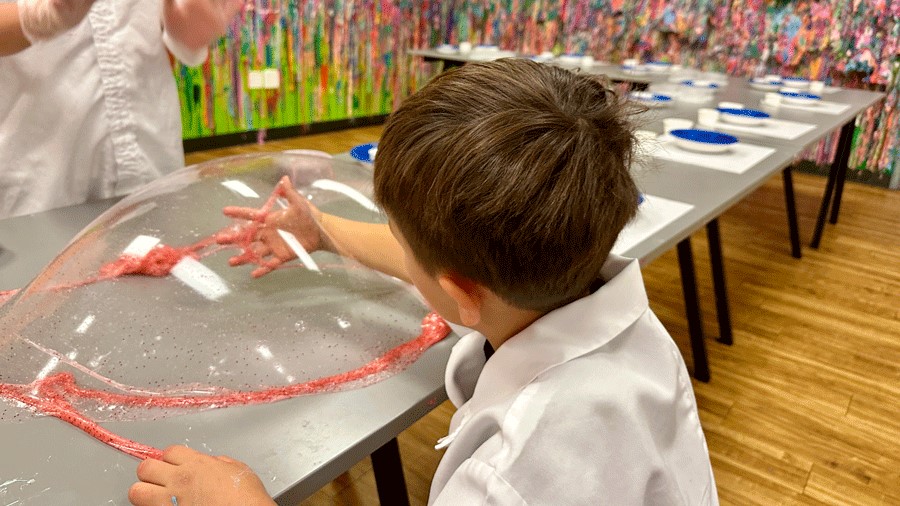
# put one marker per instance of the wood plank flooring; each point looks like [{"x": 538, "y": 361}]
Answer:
[{"x": 804, "y": 408}]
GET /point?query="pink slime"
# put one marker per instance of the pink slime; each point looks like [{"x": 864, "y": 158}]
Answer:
[{"x": 52, "y": 395}]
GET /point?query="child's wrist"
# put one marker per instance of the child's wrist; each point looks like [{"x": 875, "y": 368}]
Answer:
[{"x": 325, "y": 241}]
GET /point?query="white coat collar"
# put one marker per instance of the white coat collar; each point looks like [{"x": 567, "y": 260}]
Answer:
[{"x": 561, "y": 335}]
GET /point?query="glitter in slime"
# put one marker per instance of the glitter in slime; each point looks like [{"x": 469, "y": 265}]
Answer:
[{"x": 59, "y": 394}]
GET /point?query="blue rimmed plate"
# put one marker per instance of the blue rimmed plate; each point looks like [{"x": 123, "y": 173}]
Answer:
[
  {"x": 703, "y": 85},
  {"x": 658, "y": 66},
  {"x": 365, "y": 152},
  {"x": 799, "y": 97},
  {"x": 795, "y": 82},
  {"x": 634, "y": 69},
  {"x": 650, "y": 99},
  {"x": 748, "y": 117},
  {"x": 703, "y": 141},
  {"x": 763, "y": 84}
]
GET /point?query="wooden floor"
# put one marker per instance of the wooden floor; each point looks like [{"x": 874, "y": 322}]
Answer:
[{"x": 804, "y": 408}]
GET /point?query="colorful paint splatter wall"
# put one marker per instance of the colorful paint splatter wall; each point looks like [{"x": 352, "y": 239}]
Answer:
[{"x": 340, "y": 59}]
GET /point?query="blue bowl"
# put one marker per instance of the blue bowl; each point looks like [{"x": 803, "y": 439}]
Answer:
[
  {"x": 705, "y": 141},
  {"x": 361, "y": 152}
]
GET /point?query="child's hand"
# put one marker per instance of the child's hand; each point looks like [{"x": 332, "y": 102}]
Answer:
[
  {"x": 45, "y": 19},
  {"x": 266, "y": 247},
  {"x": 190, "y": 26},
  {"x": 186, "y": 477}
]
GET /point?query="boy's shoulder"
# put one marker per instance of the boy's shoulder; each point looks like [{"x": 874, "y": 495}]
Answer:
[{"x": 584, "y": 394}]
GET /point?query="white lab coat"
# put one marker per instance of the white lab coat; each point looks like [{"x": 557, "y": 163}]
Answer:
[
  {"x": 591, "y": 404},
  {"x": 91, "y": 114}
]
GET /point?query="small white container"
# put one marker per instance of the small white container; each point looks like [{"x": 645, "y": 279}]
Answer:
[
  {"x": 670, "y": 124},
  {"x": 465, "y": 47},
  {"x": 772, "y": 99},
  {"x": 816, "y": 87},
  {"x": 731, "y": 105},
  {"x": 707, "y": 116},
  {"x": 645, "y": 136}
]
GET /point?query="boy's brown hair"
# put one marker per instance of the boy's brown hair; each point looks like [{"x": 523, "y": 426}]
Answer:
[{"x": 513, "y": 174}]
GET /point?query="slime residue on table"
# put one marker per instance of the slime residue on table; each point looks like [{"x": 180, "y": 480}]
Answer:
[{"x": 56, "y": 394}]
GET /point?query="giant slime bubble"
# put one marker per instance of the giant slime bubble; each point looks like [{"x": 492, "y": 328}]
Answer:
[{"x": 141, "y": 316}]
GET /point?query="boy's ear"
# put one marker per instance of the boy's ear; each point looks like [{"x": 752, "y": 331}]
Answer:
[{"x": 467, "y": 294}]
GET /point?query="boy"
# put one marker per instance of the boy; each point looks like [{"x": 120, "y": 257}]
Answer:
[{"x": 506, "y": 185}]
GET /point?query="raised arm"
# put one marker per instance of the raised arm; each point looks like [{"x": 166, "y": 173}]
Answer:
[{"x": 371, "y": 244}]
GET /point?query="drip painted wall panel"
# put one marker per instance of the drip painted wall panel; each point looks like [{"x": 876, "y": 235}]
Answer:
[{"x": 340, "y": 59}]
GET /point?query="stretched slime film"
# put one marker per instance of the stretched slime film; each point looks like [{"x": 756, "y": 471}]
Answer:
[{"x": 141, "y": 316}]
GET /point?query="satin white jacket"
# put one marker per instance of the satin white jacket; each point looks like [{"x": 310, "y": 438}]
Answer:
[
  {"x": 590, "y": 405},
  {"x": 93, "y": 113}
]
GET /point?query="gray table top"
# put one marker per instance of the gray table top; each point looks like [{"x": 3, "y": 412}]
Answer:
[
  {"x": 298, "y": 445},
  {"x": 738, "y": 90}
]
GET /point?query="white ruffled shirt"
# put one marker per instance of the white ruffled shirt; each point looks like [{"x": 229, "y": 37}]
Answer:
[
  {"x": 90, "y": 114},
  {"x": 591, "y": 404}
]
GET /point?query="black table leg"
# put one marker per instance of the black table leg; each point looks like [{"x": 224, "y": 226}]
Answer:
[
  {"x": 842, "y": 170},
  {"x": 718, "y": 275},
  {"x": 692, "y": 309},
  {"x": 389, "y": 478},
  {"x": 791, "y": 207},
  {"x": 838, "y": 169}
]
